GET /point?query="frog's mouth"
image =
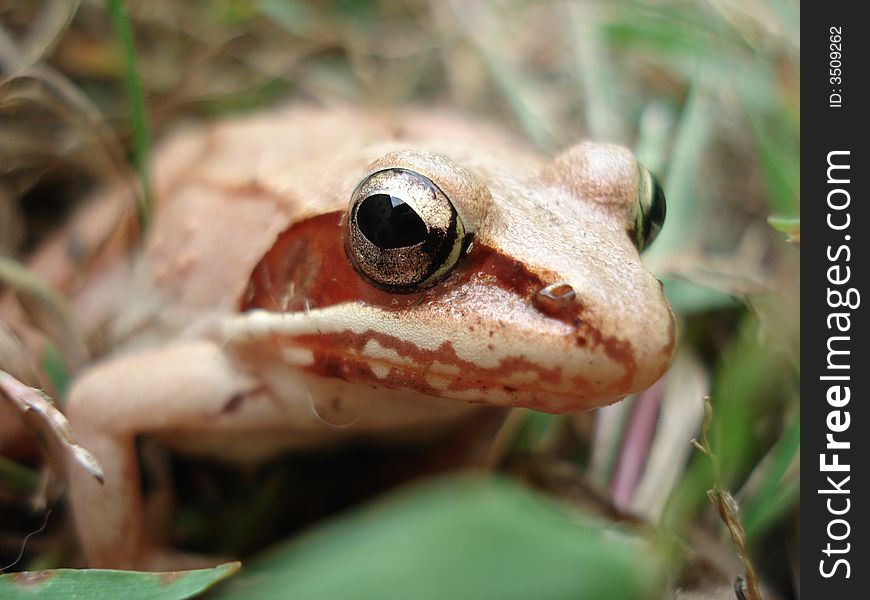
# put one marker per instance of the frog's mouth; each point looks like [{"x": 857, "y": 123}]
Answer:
[{"x": 332, "y": 343}]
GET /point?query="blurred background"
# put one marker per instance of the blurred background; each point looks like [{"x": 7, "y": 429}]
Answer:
[{"x": 613, "y": 504}]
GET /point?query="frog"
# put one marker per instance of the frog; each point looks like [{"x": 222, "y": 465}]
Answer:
[{"x": 316, "y": 275}]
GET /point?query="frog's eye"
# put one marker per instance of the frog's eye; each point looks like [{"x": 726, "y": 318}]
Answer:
[
  {"x": 404, "y": 234},
  {"x": 651, "y": 210}
]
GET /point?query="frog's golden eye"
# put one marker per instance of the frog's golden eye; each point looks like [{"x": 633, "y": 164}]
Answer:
[
  {"x": 651, "y": 211},
  {"x": 404, "y": 234}
]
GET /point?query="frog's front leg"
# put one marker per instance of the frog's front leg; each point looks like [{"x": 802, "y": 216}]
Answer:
[{"x": 183, "y": 386}]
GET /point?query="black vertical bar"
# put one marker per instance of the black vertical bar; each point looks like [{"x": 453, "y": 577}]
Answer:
[{"x": 834, "y": 401}]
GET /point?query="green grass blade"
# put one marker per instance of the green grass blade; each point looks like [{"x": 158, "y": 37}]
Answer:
[
  {"x": 775, "y": 494},
  {"x": 100, "y": 584},
  {"x": 767, "y": 515},
  {"x": 48, "y": 309},
  {"x": 594, "y": 69},
  {"x": 138, "y": 114},
  {"x": 779, "y": 157},
  {"x": 749, "y": 376},
  {"x": 692, "y": 136},
  {"x": 17, "y": 477}
]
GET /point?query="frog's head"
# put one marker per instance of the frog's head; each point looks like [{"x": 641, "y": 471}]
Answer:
[{"x": 458, "y": 277}]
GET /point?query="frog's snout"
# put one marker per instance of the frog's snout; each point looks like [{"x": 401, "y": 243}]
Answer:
[{"x": 609, "y": 349}]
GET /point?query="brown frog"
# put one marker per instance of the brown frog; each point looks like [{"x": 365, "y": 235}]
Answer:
[{"x": 313, "y": 275}]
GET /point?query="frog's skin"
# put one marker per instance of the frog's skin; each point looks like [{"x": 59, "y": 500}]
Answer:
[{"x": 248, "y": 328}]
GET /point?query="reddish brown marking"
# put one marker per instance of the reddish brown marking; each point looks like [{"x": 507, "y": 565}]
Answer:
[
  {"x": 617, "y": 350},
  {"x": 307, "y": 267},
  {"x": 308, "y": 264},
  {"x": 233, "y": 404},
  {"x": 29, "y": 578},
  {"x": 340, "y": 355},
  {"x": 334, "y": 357},
  {"x": 236, "y": 400},
  {"x": 621, "y": 351}
]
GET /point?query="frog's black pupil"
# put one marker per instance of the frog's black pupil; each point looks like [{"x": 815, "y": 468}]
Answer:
[{"x": 389, "y": 222}]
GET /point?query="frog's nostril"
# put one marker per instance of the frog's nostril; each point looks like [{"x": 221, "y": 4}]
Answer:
[{"x": 556, "y": 299}]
